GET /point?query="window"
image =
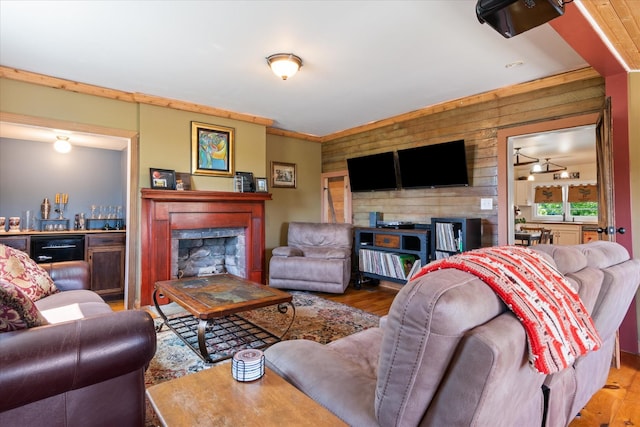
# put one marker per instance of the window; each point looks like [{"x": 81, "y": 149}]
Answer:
[{"x": 582, "y": 211}]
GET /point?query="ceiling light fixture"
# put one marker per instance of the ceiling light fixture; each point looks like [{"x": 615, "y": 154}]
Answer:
[
  {"x": 284, "y": 65},
  {"x": 62, "y": 144},
  {"x": 530, "y": 160},
  {"x": 548, "y": 167}
]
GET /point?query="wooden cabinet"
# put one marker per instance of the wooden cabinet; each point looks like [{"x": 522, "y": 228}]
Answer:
[
  {"x": 522, "y": 193},
  {"x": 17, "y": 242},
  {"x": 563, "y": 234},
  {"x": 105, "y": 253},
  {"x": 454, "y": 235},
  {"x": 377, "y": 249}
]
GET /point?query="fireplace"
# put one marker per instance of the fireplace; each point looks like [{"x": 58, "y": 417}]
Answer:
[
  {"x": 207, "y": 251},
  {"x": 170, "y": 216}
]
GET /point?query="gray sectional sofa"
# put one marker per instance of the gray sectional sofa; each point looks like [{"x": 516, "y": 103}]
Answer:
[{"x": 450, "y": 352}]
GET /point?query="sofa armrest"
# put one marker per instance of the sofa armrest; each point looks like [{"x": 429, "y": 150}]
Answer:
[
  {"x": 287, "y": 251},
  {"x": 69, "y": 275},
  {"x": 45, "y": 361}
]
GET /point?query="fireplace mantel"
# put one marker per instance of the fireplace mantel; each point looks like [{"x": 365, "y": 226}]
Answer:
[{"x": 167, "y": 210}]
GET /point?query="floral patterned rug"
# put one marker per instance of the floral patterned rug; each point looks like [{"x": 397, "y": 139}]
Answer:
[{"x": 316, "y": 319}]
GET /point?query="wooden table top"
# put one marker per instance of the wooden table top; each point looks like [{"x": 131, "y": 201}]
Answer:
[
  {"x": 219, "y": 295},
  {"x": 213, "y": 398}
]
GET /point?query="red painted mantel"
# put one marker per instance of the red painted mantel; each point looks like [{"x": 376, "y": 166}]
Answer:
[{"x": 167, "y": 210}]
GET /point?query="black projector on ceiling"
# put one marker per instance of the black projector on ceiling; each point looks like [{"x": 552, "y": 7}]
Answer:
[{"x": 512, "y": 17}]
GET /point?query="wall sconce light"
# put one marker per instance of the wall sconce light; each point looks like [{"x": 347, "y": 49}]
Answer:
[
  {"x": 62, "y": 144},
  {"x": 531, "y": 178},
  {"x": 284, "y": 65}
]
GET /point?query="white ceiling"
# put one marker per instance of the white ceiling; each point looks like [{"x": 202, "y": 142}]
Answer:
[{"x": 363, "y": 60}]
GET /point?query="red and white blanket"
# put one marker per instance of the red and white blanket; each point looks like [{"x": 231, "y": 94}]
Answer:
[{"x": 558, "y": 327}]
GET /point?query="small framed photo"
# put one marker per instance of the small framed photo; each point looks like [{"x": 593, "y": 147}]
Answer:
[
  {"x": 211, "y": 150},
  {"x": 283, "y": 175},
  {"x": 261, "y": 185},
  {"x": 185, "y": 178},
  {"x": 162, "y": 179}
]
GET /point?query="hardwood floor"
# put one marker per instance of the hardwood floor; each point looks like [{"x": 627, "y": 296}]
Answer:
[{"x": 617, "y": 404}]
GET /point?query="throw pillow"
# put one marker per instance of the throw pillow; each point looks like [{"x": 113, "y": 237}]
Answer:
[
  {"x": 17, "y": 311},
  {"x": 18, "y": 269}
]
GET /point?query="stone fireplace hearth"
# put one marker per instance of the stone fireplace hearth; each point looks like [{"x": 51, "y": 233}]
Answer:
[{"x": 165, "y": 212}]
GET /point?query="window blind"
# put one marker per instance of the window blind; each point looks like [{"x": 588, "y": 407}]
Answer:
[
  {"x": 548, "y": 194},
  {"x": 583, "y": 193}
]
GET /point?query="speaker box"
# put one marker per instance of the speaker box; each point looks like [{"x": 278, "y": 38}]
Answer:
[
  {"x": 512, "y": 17},
  {"x": 374, "y": 218}
]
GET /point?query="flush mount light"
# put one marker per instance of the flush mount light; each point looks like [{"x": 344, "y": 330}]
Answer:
[
  {"x": 284, "y": 65},
  {"x": 62, "y": 144}
]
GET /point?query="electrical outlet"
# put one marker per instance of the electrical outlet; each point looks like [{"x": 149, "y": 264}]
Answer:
[{"x": 486, "y": 204}]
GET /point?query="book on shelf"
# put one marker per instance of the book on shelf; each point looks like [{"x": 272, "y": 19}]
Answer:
[
  {"x": 447, "y": 239},
  {"x": 389, "y": 264}
]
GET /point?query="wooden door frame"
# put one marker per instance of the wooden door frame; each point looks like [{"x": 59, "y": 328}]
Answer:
[
  {"x": 131, "y": 263},
  {"x": 324, "y": 186},
  {"x": 505, "y": 181}
]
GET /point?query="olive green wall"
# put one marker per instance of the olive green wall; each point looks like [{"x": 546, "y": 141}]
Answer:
[
  {"x": 302, "y": 203},
  {"x": 39, "y": 101},
  {"x": 165, "y": 143}
]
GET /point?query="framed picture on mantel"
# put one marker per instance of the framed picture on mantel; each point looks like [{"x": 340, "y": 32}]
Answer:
[
  {"x": 211, "y": 150},
  {"x": 162, "y": 179}
]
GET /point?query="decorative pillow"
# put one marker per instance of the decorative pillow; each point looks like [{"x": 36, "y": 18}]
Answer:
[
  {"x": 17, "y": 311},
  {"x": 18, "y": 269}
]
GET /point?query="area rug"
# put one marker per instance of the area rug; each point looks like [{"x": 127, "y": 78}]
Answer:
[{"x": 316, "y": 319}]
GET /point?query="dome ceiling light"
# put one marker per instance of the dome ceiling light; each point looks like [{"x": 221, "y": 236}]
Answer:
[
  {"x": 62, "y": 144},
  {"x": 284, "y": 65}
]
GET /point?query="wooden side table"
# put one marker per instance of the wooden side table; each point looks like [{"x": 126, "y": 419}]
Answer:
[{"x": 213, "y": 398}]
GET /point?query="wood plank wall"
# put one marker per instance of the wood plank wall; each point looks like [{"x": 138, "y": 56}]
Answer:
[{"x": 478, "y": 125}]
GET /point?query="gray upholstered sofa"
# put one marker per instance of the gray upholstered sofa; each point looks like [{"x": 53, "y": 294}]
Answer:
[
  {"x": 450, "y": 352},
  {"x": 317, "y": 258}
]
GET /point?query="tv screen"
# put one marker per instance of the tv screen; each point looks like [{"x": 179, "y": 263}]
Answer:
[
  {"x": 430, "y": 166},
  {"x": 373, "y": 172}
]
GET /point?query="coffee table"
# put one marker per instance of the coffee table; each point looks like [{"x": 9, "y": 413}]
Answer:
[
  {"x": 212, "y": 397},
  {"x": 214, "y": 329}
]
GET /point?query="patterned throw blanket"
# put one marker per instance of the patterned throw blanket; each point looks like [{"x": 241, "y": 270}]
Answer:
[{"x": 558, "y": 327}]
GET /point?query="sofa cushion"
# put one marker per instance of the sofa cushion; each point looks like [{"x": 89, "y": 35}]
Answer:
[
  {"x": 603, "y": 254},
  {"x": 18, "y": 269},
  {"x": 567, "y": 259},
  {"x": 17, "y": 311},
  {"x": 287, "y": 251}
]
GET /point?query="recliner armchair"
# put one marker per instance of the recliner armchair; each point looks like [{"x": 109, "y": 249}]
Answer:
[{"x": 316, "y": 258}]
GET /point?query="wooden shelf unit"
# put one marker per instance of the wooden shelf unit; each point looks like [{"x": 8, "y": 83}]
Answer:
[
  {"x": 389, "y": 241},
  {"x": 452, "y": 236}
]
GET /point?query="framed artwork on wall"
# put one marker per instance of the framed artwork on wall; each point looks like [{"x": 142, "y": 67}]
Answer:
[
  {"x": 162, "y": 179},
  {"x": 283, "y": 175},
  {"x": 211, "y": 150}
]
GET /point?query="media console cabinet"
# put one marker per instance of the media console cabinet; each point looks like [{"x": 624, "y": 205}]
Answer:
[{"x": 376, "y": 248}]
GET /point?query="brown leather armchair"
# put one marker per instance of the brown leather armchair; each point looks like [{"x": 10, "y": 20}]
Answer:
[{"x": 84, "y": 372}]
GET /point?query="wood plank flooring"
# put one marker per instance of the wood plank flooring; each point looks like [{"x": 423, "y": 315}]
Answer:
[{"x": 616, "y": 405}]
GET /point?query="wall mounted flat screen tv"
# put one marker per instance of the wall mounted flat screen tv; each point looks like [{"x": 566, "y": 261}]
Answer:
[
  {"x": 375, "y": 172},
  {"x": 437, "y": 165}
]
